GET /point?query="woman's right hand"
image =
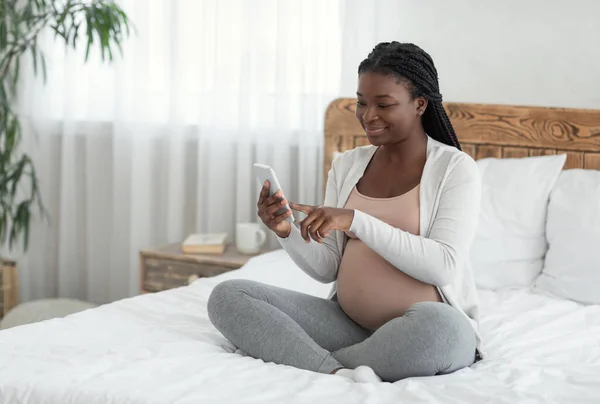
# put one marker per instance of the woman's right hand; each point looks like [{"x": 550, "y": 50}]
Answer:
[{"x": 267, "y": 211}]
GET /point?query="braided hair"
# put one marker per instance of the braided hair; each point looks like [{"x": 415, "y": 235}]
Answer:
[{"x": 414, "y": 67}]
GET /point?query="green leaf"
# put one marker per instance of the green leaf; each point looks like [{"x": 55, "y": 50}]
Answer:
[
  {"x": 11, "y": 137},
  {"x": 3, "y": 101},
  {"x": 15, "y": 78},
  {"x": 124, "y": 19},
  {"x": 16, "y": 227},
  {"x": 16, "y": 175},
  {"x": 75, "y": 34},
  {"x": 56, "y": 30},
  {"x": 63, "y": 16},
  {"x": 35, "y": 191},
  {"x": 28, "y": 13},
  {"x": 40, "y": 3},
  {"x": 3, "y": 33},
  {"x": 24, "y": 217},
  {"x": 3, "y": 104},
  {"x": 3, "y": 225},
  {"x": 102, "y": 33},
  {"x": 90, "y": 35},
  {"x": 110, "y": 55}
]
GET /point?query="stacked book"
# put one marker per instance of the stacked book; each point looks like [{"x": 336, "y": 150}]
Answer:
[{"x": 211, "y": 243}]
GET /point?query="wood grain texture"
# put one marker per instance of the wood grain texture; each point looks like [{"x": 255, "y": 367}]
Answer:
[
  {"x": 490, "y": 131},
  {"x": 574, "y": 159},
  {"x": 470, "y": 149},
  {"x": 231, "y": 257},
  {"x": 484, "y": 151},
  {"x": 167, "y": 267},
  {"x": 341, "y": 129},
  {"x": 9, "y": 287},
  {"x": 506, "y": 125},
  {"x": 541, "y": 152},
  {"x": 163, "y": 274},
  {"x": 515, "y": 152},
  {"x": 591, "y": 161}
]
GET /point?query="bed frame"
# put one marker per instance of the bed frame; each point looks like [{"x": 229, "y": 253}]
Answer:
[{"x": 491, "y": 131}]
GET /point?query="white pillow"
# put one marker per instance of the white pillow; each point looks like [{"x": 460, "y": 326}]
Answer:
[
  {"x": 510, "y": 242},
  {"x": 572, "y": 264}
]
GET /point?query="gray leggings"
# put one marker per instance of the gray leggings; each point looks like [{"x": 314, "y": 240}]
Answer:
[{"x": 286, "y": 327}]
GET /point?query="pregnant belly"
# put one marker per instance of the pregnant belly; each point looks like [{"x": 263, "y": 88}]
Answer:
[{"x": 372, "y": 292}]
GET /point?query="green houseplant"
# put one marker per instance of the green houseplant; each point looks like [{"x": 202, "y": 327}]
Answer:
[{"x": 94, "y": 23}]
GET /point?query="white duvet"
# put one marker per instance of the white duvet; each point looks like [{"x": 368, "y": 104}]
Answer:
[{"x": 161, "y": 348}]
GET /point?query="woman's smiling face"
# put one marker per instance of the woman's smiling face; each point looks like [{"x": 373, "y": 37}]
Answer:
[{"x": 386, "y": 109}]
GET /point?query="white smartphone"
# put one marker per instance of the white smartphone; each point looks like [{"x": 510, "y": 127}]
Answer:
[{"x": 264, "y": 173}]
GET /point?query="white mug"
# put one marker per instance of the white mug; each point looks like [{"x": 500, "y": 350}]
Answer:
[{"x": 249, "y": 238}]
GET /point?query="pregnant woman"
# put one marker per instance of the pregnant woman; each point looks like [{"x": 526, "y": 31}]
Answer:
[{"x": 393, "y": 236}]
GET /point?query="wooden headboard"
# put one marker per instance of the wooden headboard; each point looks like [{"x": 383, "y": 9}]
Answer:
[{"x": 491, "y": 131}]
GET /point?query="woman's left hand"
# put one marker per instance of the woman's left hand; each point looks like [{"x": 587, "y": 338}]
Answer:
[{"x": 321, "y": 220}]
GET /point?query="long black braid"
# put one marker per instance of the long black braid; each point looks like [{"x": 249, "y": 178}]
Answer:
[{"x": 412, "y": 65}]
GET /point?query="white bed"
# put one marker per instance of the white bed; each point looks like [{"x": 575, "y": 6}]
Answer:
[{"x": 161, "y": 348}]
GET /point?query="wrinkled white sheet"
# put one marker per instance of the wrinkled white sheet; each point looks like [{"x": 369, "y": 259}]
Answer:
[{"x": 161, "y": 348}]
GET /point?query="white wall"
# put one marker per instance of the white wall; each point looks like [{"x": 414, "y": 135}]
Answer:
[{"x": 521, "y": 52}]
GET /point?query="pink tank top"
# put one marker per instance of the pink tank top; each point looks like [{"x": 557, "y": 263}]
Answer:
[{"x": 370, "y": 290}]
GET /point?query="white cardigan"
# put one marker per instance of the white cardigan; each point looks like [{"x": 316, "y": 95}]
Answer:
[{"x": 450, "y": 196}]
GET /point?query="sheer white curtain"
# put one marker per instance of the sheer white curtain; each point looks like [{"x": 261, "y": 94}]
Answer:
[{"x": 161, "y": 143}]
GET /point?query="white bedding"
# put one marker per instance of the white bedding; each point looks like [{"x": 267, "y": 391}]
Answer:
[{"x": 161, "y": 348}]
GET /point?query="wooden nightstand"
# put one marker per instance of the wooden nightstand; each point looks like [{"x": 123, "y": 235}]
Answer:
[{"x": 167, "y": 267}]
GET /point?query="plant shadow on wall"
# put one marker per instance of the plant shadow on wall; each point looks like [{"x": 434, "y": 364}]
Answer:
[{"x": 93, "y": 22}]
